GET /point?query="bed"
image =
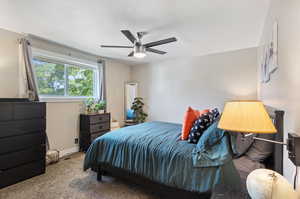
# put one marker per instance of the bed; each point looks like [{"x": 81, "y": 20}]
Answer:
[{"x": 152, "y": 151}]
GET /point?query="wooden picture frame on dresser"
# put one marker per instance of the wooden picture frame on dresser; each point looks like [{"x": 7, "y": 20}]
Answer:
[
  {"x": 22, "y": 140},
  {"x": 91, "y": 127}
]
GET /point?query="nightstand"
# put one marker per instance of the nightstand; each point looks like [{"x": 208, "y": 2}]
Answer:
[
  {"x": 91, "y": 127},
  {"x": 129, "y": 123},
  {"x": 115, "y": 125}
]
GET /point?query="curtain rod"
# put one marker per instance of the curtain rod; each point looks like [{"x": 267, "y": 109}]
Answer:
[
  {"x": 100, "y": 58},
  {"x": 35, "y": 37},
  {"x": 19, "y": 41}
]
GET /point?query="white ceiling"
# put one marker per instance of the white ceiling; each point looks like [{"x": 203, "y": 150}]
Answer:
[{"x": 201, "y": 26}]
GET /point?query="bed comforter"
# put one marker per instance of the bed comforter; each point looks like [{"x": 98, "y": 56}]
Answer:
[{"x": 153, "y": 150}]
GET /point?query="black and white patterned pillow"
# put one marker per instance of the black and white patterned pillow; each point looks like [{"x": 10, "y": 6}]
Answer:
[
  {"x": 201, "y": 124},
  {"x": 215, "y": 113}
]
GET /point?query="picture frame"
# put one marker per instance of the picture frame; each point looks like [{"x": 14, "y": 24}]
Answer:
[{"x": 270, "y": 55}]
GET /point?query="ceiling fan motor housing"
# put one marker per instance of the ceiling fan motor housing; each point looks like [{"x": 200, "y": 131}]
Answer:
[{"x": 139, "y": 48}]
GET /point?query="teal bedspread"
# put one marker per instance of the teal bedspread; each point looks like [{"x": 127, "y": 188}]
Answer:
[{"x": 153, "y": 150}]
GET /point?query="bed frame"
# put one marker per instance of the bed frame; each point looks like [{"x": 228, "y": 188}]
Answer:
[{"x": 274, "y": 162}]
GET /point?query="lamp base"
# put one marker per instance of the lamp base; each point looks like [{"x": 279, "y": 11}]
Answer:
[{"x": 293, "y": 148}]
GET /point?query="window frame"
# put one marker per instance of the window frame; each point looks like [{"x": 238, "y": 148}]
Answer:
[{"x": 67, "y": 61}]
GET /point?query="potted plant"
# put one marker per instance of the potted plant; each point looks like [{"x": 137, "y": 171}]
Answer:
[
  {"x": 137, "y": 107},
  {"x": 89, "y": 105},
  {"x": 93, "y": 106},
  {"x": 100, "y": 106}
]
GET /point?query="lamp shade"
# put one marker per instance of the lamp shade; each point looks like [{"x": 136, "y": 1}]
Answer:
[{"x": 246, "y": 117}]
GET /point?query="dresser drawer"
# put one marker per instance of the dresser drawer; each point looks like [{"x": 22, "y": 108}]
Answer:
[
  {"x": 98, "y": 134},
  {"x": 99, "y": 118},
  {"x": 6, "y": 112},
  {"x": 12, "y": 128},
  {"x": 23, "y": 172},
  {"x": 10, "y": 160},
  {"x": 99, "y": 127},
  {"x": 11, "y": 144},
  {"x": 29, "y": 110}
]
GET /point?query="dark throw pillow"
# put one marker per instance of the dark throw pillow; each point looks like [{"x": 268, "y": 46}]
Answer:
[
  {"x": 201, "y": 124},
  {"x": 261, "y": 150},
  {"x": 240, "y": 144}
]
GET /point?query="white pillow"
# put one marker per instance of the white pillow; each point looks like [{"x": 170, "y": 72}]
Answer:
[{"x": 268, "y": 184}]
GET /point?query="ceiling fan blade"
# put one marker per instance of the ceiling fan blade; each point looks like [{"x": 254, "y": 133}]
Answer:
[
  {"x": 129, "y": 35},
  {"x": 107, "y": 46},
  {"x": 160, "y": 42},
  {"x": 155, "y": 51},
  {"x": 131, "y": 54}
]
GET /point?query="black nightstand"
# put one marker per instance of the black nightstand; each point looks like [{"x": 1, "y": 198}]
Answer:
[{"x": 91, "y": 127}]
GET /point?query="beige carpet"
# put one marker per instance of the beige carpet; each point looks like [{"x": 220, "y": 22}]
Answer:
[{"x": 66, "y": 179}]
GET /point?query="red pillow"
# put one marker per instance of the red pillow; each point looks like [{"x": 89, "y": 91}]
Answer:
[
  {"x": 189, "y": 117},
  {"x": 201, "y": 112}
]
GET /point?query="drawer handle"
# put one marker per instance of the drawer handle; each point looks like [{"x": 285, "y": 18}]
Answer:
[{"x": 99, "y": 118}]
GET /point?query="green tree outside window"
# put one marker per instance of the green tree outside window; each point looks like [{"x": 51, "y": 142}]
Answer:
[{"x": 56, "y": 79}]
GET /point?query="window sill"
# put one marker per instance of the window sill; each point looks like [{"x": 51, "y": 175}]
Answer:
[{"x": 62, "y": 100}]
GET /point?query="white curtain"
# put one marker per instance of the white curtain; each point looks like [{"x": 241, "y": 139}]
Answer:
[{"x": 28, "y": 86}]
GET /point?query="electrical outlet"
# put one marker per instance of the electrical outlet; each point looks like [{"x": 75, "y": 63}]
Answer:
[{"x": 76, "y": 140}]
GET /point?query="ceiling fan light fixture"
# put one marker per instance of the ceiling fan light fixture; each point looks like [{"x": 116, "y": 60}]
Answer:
[
  {"x": 139, "y": 51},
  {"x": 139, "y": 55}
]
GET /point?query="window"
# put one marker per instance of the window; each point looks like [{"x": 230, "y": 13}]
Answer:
[{"x": 57, "y": 78}]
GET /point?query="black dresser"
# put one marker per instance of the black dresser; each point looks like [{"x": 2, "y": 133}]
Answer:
[
  {"x": 22, "y": 140},
  {"x": 91, "y": 127}
]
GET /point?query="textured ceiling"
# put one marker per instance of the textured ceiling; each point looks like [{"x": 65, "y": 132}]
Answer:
[{"x": 201, "y": 26}]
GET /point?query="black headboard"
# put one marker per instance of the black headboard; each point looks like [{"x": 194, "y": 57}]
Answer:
[{"x": 276, "y": 160}]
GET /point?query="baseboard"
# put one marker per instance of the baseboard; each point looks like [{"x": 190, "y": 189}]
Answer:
[{"x": 69, "y": 151}]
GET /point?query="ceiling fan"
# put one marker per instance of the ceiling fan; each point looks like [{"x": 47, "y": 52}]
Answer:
[{"x": 139, "y": 49}]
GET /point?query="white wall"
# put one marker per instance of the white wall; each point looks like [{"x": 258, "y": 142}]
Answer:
[
  {"x": 117, "y": 74},
  {"x": 62, "y": 117},
  {"x": 283, "y": 89},
  {"x": 9, "y": 72},
  {"x": 169, "y": 87},
  {"x": 63, "y": 124}
]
